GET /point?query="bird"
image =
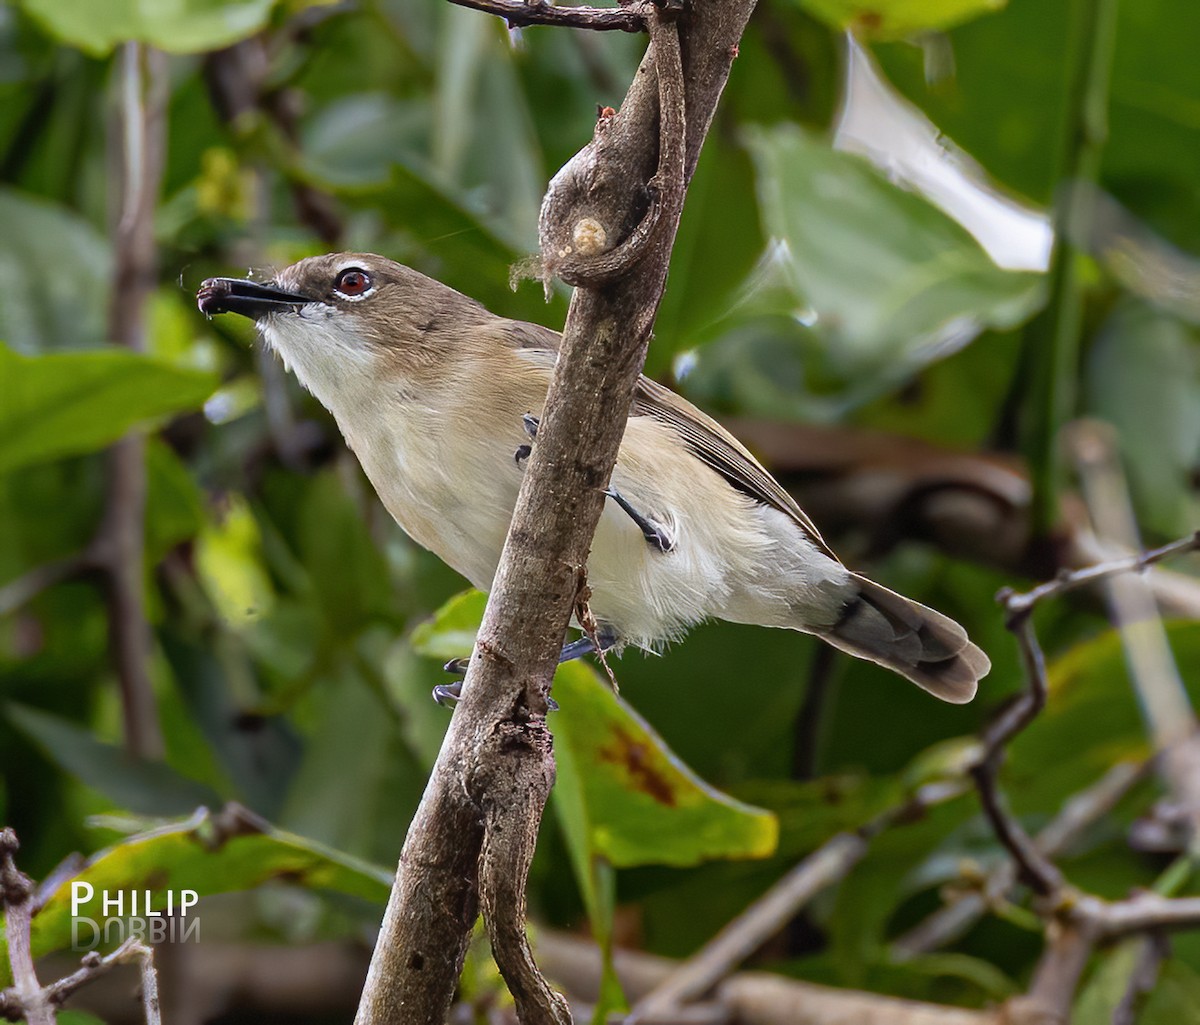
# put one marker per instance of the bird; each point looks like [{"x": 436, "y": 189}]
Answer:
[{"x": 440, "y": 400}]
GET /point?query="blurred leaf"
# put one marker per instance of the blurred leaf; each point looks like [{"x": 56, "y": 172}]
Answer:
[
  {"x": 897, "y": 19},
  {"x": 150, "y": 788},
  {"x": 1088, "y": 684},
  {"x": 1175, "y": 999},
  {"x": 348, "y": 573},
  {"x": 174, "y": 504},
  {"x": 353, "y": 783},
  {"x": 450, "y": 632},
  {"x": 1108, "y": 983},
  {"x": 1005, "y": 96},
  {"x": 641, "y": 804},
  {"x": 1143, "y": 376},
  {"x": 54, "y": 276},
  {"x": 180, "y": 26},
  {"x": 886, "y": 280},
  {"x": 68, "y": 403},
  {"x": 183, "y": 856},
  {"x": 259, "y": 753},
  {"x": 229, "y": 564}
]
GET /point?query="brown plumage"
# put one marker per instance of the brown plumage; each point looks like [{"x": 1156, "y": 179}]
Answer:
[{"x": 430, "y": 390}]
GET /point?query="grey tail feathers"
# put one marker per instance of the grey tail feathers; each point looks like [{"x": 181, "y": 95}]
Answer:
[{"x": 923, "y": 645}]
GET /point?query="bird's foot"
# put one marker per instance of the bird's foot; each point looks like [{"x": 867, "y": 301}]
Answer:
[{"x": 523, "y": 452}]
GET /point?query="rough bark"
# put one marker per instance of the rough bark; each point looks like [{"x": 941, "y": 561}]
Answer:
[{"x": 478, "y": 821}]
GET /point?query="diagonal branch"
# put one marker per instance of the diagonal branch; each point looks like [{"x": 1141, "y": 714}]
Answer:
[
  {"x": 482, "y": 807},
  {"x": 520, "y": 13}
]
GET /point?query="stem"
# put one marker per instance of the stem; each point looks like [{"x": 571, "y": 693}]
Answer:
[{"x": 1052, "y": 339}]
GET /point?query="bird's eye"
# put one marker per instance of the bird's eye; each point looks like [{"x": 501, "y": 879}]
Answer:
[{"x": 353, "y": 281}]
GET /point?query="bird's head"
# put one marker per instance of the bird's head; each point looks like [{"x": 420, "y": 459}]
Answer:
[{"x": 345, "y": 319}]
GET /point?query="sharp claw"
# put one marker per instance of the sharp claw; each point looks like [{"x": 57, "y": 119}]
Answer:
[
  {"x": 458, "y": 666},
  {"x": 522, "y": 453},
  {"x": 531, "y": 423},
  {"x": 448, "y": 694}
]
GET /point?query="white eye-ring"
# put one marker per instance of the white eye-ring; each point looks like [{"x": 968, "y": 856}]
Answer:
[{"x": 353, "y": 283}]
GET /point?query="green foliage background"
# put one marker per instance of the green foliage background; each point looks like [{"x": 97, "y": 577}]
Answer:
[{"x": 805, "y": 285}]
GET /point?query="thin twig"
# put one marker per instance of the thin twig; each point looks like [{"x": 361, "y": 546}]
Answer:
[
  {"x": 520, "y": 13},
  {"x": 1078, "y": 814},
  {"x": 1162, "y": 697},
  {"x": 1032, "y": 865},
  {"x": 1076, "y": 578},
  {"x": 737, "y": 941},
  {"x": 120, "y": 542},
  {"x": 1051, "y": 342},
  {"x": 29, "y": 585}
]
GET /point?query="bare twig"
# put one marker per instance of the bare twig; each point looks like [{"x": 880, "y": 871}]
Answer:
[
  {"x": 520, "y": 13},
  {"x": 748, "y": 998},
  {"x": 1156, "y": 681},
  {"x": 1074, "y": 579},
  {"x": 1032, "y": 865},
  {"x": 29, "y": 585},
  {"x": 92, "y": 966},
  {"x": 746, "y": 933},
  {"x": 828, "y": 864},
  {"x": 1078, "y": 814}
]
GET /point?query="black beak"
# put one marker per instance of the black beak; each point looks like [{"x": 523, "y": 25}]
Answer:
[{"x": 249, "y": 298}]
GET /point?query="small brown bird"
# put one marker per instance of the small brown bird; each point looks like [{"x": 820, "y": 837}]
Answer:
[{"x": 440, "y": 400}]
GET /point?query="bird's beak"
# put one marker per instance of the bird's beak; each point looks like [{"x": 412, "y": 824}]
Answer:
[{"x": 249, "y": 298}]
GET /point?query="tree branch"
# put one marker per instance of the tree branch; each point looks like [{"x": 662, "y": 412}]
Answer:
[
  {"x": 119, "y": 545},
  {"x": 484, "y": 799},
  {"x": 520, "y": 13}
]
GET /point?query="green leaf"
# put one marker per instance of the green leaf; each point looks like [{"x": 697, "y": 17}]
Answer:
[
  {"x": 55, "y": 271},
  {"x": 70, "y": 403},
  {"x": 1005, "y": 99},
  {"x": 886, "y": 281},
  {"x": 450, "y": 632},
  {"x": 1143, "y": 376},
  {"x": 641, "y": 805},
  {"x": 1175, "y": 998},
  {"x": 180, "y": 26},
  {"x": 183, "y": 856},
  {"x": 1088, "y": 684},
  {"x": 150, "y": 788},
  {"x": 897, "y": 19}
]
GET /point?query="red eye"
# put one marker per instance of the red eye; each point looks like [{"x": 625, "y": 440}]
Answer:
[{"x": 353, "y": 281}]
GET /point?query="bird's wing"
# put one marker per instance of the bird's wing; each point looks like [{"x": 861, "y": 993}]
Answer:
[{"x": 703, "y": 436}]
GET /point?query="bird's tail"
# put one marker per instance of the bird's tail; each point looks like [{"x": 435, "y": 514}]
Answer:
[{"x": 923, "y": 645}]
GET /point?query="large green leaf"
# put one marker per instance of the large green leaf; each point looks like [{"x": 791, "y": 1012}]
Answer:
[
  {"x": 188, "y": 856},
  {"x": 1142, "y": 377},
  {"x": 897, "y": 19},
  {"x": 70, "y": 403},
  {"x": 54, "y": 276},
  {"x": 179, "y": 26},
  {"x": 886, "y": 277},
  {"x": 150, "y": 788},
  {"x": 863, "y": 284},
  {"x": 1088, "y": 684},
  {"x": 641, "y": 804},
  {"x": 1006, "y": 100}
]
